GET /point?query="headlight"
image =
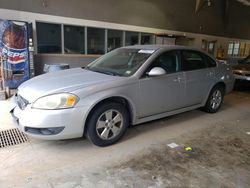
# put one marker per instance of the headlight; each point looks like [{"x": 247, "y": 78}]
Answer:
[{"x": 56, "y": 101}]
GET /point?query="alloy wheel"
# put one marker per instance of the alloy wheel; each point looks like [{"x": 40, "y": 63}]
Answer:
[
  {"x": 216, "y": 99},
  {"x": 109, "y": 124}
]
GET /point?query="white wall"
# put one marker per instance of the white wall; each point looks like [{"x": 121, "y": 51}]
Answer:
[{"x": 33, "y": 17}]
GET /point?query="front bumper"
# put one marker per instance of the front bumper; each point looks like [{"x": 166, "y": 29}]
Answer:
[{"x": 66, "y": 123}]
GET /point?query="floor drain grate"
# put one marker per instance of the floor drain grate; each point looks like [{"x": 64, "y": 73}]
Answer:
[{"x": 12, "y": 137}]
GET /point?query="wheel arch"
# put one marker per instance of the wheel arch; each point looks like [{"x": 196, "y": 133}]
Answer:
[
  {"x": 220, "y": 83},
  {"x": 118, "y": 99}
]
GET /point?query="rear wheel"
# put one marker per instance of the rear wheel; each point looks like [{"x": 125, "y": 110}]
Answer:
[
  {"x": 215, "y": 99},
  {"x": 107, "y": 124}
]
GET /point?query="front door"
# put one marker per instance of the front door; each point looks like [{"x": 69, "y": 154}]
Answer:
[{"x": 163, "y": 93}]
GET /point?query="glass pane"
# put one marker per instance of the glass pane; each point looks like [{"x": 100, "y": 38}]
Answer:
[
  {"x": 48, "y": 38},
  {"x": 230, "y": 51},
  {"x": 192, "y": 60},
  {"x": 230, "y": 45},
  {"x": 211, "y": 46},
  {"x": 74, "y": 39},
  {"x": 114, "y": 39},
  {"x": 236, "y": 45},
  {"x": 236, "y": 51},
  {"x": 147, "y": 38},
  {"x": 168, "y": 61},
  {"x": 96, "y": 40},
  {"x": 132, "y": 38}
]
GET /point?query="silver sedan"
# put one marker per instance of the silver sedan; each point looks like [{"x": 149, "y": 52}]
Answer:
[{"x": 129, "y": 85}]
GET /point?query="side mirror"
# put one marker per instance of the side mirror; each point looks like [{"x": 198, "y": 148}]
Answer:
[{"x": 156, "y": 71}]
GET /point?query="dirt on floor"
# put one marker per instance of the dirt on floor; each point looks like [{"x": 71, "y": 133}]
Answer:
[{"x": 219, "y": 157}]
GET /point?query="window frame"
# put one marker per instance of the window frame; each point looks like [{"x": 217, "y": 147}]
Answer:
[{"x": 233, "y": 49}]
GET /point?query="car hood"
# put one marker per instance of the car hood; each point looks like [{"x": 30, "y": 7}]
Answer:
[
  {"x": 243, "y": 67},
  {"x": 62, "y": 81}
]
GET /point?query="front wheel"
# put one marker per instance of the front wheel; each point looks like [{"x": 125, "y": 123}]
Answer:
[
  {"x": 215, "y": 99},
  {"x": 107, "y": 124}
]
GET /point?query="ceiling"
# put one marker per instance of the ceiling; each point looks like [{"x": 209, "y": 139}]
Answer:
[{"x": 201, "y": 3}]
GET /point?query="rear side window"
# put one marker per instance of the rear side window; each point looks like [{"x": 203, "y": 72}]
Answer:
[{"x": 192, "y": 60}]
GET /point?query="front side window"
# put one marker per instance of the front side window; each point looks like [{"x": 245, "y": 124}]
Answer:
[
  {"x": 48, "y": 38},
  {"x": 169, "y": 61},
  {"x": 120, "y": 62},
  {"x": 192, "y": 60}
]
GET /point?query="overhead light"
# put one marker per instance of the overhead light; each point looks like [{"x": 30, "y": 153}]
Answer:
[
  {"x": 245, "y": 2},
  {"x": 44, "y": 3},
  {"x": 209, "y": 3}
]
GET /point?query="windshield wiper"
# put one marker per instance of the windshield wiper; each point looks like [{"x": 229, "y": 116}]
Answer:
[
  {"x": 109, "y": 73},
  {"x": 103, "y": 71}
]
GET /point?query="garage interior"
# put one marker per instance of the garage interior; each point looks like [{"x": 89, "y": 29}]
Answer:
[{"x": 191, "y": 149}]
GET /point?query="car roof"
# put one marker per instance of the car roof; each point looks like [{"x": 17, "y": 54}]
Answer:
[
  {"x": 167, "y": 47},
  {"x": 156, "y": 47}
]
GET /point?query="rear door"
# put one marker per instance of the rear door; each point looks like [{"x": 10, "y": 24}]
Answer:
[{"x": 199, "y": 75}]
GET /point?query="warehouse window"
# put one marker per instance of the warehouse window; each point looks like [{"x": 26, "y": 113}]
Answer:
[
  {"x": 96, "y": 40},
  {"x": 147, "y": 38},
  {"x": 115, "y": 39},
  {"x": 236, "y": 48},
  {"x": 233, "y": 48},
  {"x": 68, "y": 39},
  {"x": 74, "y": 39},
  {"x": 132, "y": 38},
  {"x": 48, "y": 38}
]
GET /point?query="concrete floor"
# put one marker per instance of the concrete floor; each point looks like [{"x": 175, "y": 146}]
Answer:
[{"x": 78, "y": 163}]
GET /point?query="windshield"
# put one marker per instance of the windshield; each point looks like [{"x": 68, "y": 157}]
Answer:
[{"x": 120, "y": 62}]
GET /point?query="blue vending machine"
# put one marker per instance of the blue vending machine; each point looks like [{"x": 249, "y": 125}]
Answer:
[{"x": 15, "y": 37}]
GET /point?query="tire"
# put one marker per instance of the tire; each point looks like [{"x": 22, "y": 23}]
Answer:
[
  {"x": 107, "y": 124},
  {"x": 215, "y": 99}
]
